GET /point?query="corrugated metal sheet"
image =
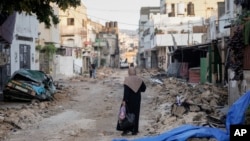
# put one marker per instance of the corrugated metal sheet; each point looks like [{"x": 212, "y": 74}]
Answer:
[
  {"x": 203, "y": 70},
  {"x": 184, "y": 70},
  {"x": 246, "y": 62},
  {"x": 178, "y": 70},
  {"x": 173, "y": 69}
]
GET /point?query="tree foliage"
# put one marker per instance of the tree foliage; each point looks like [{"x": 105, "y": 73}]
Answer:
[{"x": 41, "y": 8}]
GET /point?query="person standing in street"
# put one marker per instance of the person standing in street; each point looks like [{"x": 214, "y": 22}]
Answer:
[
  {"x": 93, "y": 70},
  {"x": 131, "y": 65},
  {"x": 90, "y": 70},
  {"x": 133, "y": 86}
]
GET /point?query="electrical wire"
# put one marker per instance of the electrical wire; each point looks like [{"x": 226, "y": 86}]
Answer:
[{"x": 137, "y": 25}]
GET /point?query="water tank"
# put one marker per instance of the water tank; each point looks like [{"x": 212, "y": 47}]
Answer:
[
  {"x": 190, "y": 9},
  {"x": 180, "y": 8},
  {"x": 111, "y": 24},
  {"x": 115, "y": 24},
  {"x": 107, "y": 24}
]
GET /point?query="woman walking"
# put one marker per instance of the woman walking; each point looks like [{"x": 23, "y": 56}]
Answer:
[{"x": 133, "y": 86}]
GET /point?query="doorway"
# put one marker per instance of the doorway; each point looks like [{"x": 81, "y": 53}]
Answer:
[{"x": 25, "y": 56}]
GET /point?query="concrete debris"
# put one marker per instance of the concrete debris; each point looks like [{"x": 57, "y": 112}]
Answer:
[
  {"x": 13, "y": 118},
  {"x": 175, "y": 103},
  {"x": 156, "y": 81},
  {"x": 179, "y": 102}
]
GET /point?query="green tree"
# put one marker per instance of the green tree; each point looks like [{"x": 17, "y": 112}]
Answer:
[{"x": 41, "y": 8}]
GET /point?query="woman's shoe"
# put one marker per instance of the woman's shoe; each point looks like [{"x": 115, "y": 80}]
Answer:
[
  {"x": 134, "y": 133},
  {"x": 124, "y": 133}
]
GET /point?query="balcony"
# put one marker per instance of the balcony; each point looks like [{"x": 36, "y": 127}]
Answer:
[
  {"x": 71, "y": 30},
  {"x": 180, "y": 39}
]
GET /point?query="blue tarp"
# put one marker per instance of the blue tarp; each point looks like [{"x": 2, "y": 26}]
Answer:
[{"x": 236, "y": 115}]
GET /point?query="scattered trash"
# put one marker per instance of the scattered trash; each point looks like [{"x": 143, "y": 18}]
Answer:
[{"x": 158, "y": 81}]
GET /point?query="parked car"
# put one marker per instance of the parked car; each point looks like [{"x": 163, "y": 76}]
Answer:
[
  {"x": 27, "y": 84},
  {"x": 124, "y": 64}
]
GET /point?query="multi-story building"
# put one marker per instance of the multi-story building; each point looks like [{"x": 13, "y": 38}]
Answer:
[
  {"x": 89, "y": 54},
  {"x": 202, "y": 8},
  {"x": 106, "y": 46},
  {"x": 168, "y": 34},
  {"x": 73, "y": 31},
  {"x": 179, "y": 23},
  {"x": 48, "y": 36},
  {"x": 145, "y": 13}
]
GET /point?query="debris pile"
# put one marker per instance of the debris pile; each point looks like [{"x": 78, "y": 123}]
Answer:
[
  {"x": 24, "y": 115},
  {"x": 104, "y": 72},
  {"x": 179, "y": 102}
]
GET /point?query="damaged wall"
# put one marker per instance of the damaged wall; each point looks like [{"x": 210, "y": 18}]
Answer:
[{"x": 63, "y": 66}]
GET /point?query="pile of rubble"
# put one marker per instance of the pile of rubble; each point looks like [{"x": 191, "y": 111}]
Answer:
[
  {"x": 178, "y": 103},
  {"x": 101, "y": 73},
  {"x": 22, "y": 115},
  {"x": 104, "y": 72}
]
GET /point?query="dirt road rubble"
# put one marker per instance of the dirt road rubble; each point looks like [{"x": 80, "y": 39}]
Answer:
[
  {"x": 178, "y": 102},
  {"x": 174, "y": 102},
  {"x": 18, "y": 115}
]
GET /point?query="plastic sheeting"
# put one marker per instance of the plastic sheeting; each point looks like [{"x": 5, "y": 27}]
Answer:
[{"x": 236, "y": 115}]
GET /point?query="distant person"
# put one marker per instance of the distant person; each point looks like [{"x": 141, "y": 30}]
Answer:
[
  {"x": 90, "y": 70},
  {"x": 131, "y": 65},
  {"x": 93, "y": 70},
  {"x": 133, "y": 86}
]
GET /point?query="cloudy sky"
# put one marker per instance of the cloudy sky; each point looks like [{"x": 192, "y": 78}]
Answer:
[{"x": 125, "y": 12}]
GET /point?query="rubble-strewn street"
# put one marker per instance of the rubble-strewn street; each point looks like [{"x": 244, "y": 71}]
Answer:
[{"x": 86, "y": 109}]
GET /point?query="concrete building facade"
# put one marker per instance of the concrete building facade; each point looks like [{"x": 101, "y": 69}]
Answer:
[
  {"x": 145, "y": 13},
  {"x": 17, "y": 46},
  {"x": 73, "y": 31},
  {"x": 203, "y": 8}
]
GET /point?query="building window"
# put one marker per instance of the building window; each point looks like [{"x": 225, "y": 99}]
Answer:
[{"x": 70, "y": 21}]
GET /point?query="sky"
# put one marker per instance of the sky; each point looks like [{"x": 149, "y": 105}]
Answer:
[{"x": 125, "y": 12}]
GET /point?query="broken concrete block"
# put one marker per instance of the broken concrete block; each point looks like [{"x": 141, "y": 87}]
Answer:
[
  {"x": 178, "y": 110},
  {"x": 206, "y": 94},
  {"x": 206, "y": 108},
  {"x": 213, "y": 102},
  {"x": 194, "y": 108},
  {"x": 1, "y": 118}
]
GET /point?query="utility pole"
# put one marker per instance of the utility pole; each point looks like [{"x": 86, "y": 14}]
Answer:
[{"x": 99, "y": 53}]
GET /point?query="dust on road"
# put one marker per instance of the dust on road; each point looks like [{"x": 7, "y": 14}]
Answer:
[
  {"x": 90, "y": 114},
  {"x": 86, "y": 109}
]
